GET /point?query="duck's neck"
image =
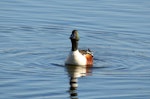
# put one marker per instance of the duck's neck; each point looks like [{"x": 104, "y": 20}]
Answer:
[{"x": 74, "y": 44}]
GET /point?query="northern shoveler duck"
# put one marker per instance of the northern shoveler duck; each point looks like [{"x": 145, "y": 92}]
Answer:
[{"x": 78, "y": 57}]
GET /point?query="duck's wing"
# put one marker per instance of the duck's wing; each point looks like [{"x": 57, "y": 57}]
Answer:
[
  {"x": 88, "y": 51},
  {"x": 88, "y": 55}
]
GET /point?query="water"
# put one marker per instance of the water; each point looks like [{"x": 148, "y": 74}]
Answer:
[{"x": 34, "y": 44}]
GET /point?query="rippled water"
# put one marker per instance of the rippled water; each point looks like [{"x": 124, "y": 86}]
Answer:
[{"x": 34, "y": 44}]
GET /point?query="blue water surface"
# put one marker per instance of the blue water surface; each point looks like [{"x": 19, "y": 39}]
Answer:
[{"x": 34, "y": 43}]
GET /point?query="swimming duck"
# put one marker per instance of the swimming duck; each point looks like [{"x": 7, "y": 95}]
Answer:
[{"x": 76, "y": 56}]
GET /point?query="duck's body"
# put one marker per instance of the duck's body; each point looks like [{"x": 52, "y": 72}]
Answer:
[{"x": 78, "y": 57}]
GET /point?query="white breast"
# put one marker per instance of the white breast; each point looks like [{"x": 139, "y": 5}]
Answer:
[{"x": 75, "y": 58}]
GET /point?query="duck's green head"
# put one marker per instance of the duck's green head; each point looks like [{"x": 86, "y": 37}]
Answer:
[{"x": 74, "y": 35}]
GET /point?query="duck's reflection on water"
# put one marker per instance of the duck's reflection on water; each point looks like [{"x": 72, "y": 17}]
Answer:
[{"x": 74, "y": 72}]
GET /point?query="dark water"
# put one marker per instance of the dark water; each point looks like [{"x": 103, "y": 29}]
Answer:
[{"x": 34, "y": 44}]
